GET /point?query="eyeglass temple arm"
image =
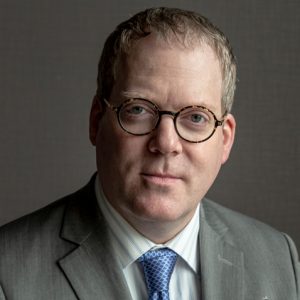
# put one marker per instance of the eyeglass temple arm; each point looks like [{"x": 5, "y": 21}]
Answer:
[
  {"x": 108, "y": 104},
  {"x": 221, "y": 122}
]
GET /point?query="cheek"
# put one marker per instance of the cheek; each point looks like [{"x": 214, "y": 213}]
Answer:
[
  {"x": 205, "y": 163},
  {"x": 117, "y": 152},
  {"x": 118, "y": 161}
]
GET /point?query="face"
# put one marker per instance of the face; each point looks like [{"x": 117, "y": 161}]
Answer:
[{"x": 160, "y": 178}]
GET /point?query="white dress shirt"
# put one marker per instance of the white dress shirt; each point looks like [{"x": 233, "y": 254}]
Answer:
[{"x": 129, "y": 245}]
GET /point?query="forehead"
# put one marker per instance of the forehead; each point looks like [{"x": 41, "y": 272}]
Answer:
[{"x": 162, "y": 70}]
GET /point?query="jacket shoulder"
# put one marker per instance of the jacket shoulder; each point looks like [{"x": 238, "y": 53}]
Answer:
[
  {"x": 48, "y": 217},
  {"x": 235, "y": 221},
  {"x": 252, "y": 236},
  {"x": 38, "y": 220}
]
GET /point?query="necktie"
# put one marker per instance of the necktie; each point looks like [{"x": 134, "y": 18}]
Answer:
[{"x": 158, "y": 267}]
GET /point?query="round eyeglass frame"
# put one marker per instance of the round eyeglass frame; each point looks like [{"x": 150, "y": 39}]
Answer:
[{"x": 118, "y": 108}]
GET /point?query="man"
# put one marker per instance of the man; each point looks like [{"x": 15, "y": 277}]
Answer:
[{"x": 162, "y": 128}]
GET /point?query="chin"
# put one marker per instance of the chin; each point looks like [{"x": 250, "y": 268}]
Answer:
[{"x": 158, "y": 210}]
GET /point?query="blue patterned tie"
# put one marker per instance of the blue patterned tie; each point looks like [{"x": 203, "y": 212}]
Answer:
[{"x": 158, "y": 267}]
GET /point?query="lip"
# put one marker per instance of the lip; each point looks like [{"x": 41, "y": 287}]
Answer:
[{"x": 161, "y": 178}]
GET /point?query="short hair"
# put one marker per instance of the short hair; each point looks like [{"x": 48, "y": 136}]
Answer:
[{"x": 189, "y": 28}]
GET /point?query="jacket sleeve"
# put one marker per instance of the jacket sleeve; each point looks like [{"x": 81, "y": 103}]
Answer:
[{"x": 295, "y": 263}]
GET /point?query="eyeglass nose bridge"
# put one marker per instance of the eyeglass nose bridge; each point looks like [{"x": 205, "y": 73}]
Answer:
[{"x": 166, "y": 112}]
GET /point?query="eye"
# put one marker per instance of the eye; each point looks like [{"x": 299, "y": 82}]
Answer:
[
  {"x": 197, "y": 118},
  {"x": 135, "y": 109},
  {"x": 194, "y": 119}
]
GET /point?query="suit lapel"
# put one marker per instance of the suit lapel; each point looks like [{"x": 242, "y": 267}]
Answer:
[
  {"x": 91, "y": 269},
  {"x": 222, "y": 267}
]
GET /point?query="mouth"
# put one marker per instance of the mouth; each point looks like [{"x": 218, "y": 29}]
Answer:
[{"x": 161, "y": 178}]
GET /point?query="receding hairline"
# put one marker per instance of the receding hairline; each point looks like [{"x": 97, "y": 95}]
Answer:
[{"x": 173, "y": 42}]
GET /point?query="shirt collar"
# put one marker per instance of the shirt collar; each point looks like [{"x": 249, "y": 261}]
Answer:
[{"x": 130, "y": 244}]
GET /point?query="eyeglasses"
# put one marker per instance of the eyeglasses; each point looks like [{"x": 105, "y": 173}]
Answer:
[{"x": 194, "y": 124}]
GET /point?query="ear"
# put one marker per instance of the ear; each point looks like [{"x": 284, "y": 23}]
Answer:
[
  {"x": 95, "y": 116},
  {"x": 228, "y": 136}
]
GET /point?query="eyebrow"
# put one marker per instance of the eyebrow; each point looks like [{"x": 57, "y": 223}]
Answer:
[{"x": 133, "y": 94}]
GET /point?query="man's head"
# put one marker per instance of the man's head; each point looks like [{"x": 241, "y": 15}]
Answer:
[{"x": 156, "y": 180}]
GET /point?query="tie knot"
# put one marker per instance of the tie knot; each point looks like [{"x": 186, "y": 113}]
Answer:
[{"x": 158, "y": 267}]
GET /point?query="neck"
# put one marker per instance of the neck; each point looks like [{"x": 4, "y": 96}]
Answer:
[{"x": 158, "y": 231}]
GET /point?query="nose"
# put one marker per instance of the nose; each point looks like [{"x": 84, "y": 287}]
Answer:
[{"x": 164, "y": 138}]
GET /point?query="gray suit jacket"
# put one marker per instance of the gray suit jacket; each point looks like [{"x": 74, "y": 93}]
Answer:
[{"x": 63, "y": 252}]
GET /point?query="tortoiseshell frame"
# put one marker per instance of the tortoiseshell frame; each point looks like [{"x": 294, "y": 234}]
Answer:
[{"x": 117, "y": 110}]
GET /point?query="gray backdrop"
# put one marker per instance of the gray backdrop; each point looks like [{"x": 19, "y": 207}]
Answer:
[{"x": 48, "y": 56}]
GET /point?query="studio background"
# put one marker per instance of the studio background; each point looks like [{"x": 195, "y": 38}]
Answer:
[{"x": 49, "y": 52}]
